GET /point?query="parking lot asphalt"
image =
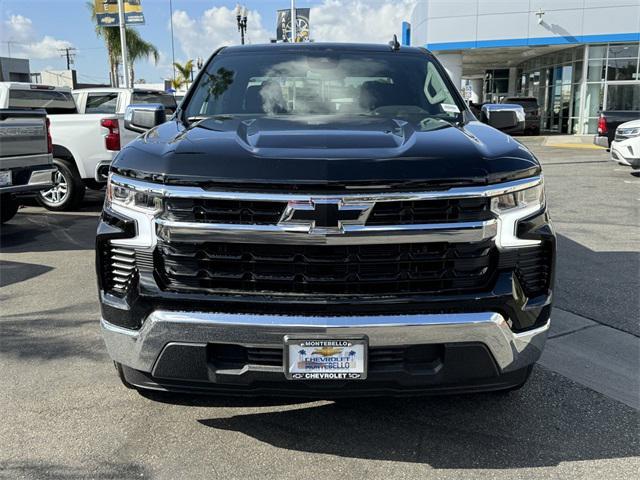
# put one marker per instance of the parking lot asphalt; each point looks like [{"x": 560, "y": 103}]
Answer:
[{"x": 65, "y": 414}]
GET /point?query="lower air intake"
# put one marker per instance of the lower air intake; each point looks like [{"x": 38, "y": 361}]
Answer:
[{"x": 121, "y": 268}]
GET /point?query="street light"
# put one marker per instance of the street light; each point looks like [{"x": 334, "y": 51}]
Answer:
[{"x": 241, "y": 18}]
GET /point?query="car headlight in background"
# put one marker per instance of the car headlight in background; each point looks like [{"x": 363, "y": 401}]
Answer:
[
  {"x": 512, "y": 207},
  {"x": 628, "y": 132},
  {"x": 129, "y": 198}
]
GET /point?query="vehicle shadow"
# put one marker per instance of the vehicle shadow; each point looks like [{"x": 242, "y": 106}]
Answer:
[
  {"x": 42, "y": 231},
  {"x": 550, "y": 421},
  {"x": 52, "y": 334},
  {"x": 15, "y": 272}
]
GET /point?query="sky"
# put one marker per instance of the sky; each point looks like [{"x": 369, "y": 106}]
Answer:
[{"x": 38, "y": 29}]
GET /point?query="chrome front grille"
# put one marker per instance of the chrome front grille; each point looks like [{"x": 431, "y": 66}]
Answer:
[
  {"x": 351, "y": 243},
  {"x": 255, "y": 212}
]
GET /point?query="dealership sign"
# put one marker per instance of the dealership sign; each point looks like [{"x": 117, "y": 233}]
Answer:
[
  {"x": 283, "y": 28},
  {"x": 107, "y": 13}
]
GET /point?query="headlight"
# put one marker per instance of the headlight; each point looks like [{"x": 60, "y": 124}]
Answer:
[
  {"x": 127, "y": 197},
  {"x": 529, "y": 197},
  {"x": 513, "y": 207},
  {"x": 628, "y": 132}
]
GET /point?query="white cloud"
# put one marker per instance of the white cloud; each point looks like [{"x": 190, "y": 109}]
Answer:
[
  {"x": 216, "y": 27},
  {"x": 360, "y": 21},
  {"x": 48, "y": 47},
  {"x": 371, "y": 21},
  {"x": 26, "y": 43}
]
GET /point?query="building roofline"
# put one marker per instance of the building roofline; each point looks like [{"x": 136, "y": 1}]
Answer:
[{"x": 535, "y": 41}]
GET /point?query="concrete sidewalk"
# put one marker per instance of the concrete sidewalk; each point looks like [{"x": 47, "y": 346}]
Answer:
[
  {"x": 602, "y": 358},
  {"x": 561, "y": 141}
]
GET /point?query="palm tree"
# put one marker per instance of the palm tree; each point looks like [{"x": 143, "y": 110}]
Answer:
[
  {"x": 177, "y": 83},
  {"x": 184, "y": 72},
  {"x": 137, "y": 47}
]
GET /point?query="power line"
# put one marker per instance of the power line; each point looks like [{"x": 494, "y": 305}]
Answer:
[{"x": 70, "y": 56}]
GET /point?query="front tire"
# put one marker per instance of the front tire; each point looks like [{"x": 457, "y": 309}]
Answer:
[
  {"x": 68, "y": 189},
  {"x": 8, "y": 207}
]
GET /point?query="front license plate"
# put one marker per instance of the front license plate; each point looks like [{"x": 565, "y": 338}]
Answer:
[
  {"x": 325, "y": 358},
  {"x": 5, "y": 178}
]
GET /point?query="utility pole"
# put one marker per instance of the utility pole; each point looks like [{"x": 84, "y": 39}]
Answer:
[
  {"x": 123, "y": 43},
  {"x": 294, "y": 22},
  {"x": 69, "y": 55},
  {"x": 173, "y": 51}
]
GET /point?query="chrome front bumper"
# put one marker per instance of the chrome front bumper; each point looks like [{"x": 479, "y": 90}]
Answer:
[{"x": 140, "y": 349}]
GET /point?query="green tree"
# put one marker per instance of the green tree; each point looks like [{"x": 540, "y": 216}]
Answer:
[
  {"x": 184, "y": 72},
  {"x": 137, "y": 47}
]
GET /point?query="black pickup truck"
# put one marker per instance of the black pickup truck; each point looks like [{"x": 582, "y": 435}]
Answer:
[
  {"x": 323, "y": 220},
  {"x": 26, "y": 162}
]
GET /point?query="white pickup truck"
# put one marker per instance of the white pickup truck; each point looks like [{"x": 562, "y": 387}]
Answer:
[{"x": 87, "y": 132}]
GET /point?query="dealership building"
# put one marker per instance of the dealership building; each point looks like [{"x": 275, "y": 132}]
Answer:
[{"x": 576, "y": 57}]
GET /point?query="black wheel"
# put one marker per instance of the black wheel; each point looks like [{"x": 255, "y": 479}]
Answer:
[
  {"x": 68, "y": 189},
  {"x": 8, "y": 207}
]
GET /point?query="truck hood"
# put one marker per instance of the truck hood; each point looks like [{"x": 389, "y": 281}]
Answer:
[{"x": 325, "y": 150}]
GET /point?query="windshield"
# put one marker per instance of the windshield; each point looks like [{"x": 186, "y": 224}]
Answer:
[
  {"x": 405, "y": 86},
  {"x": 53, "y": 101}
]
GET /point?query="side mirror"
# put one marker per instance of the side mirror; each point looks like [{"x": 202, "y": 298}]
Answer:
[
  {"x": 506, "y": 117},
  {"x": 142, "y": 117}
]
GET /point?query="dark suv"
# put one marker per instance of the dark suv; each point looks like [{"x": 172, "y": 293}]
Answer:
[
  {"x": 531, "y": 112},
  {"x": 323, "y": 220}
]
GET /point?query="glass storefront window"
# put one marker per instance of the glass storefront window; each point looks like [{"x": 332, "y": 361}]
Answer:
[
  {"x": 622, "y": 69},
  {"x": 623, "y": 97},
  {"x": 575, "y": 109},
  {"x": 593, "y": 99},
  {"x": 629, "y": 50},
  {"x": 597, "y": 51},
  {"x": 577, "y": 72},
  {"x": 568, "y": 105},
  {"x": 595, "y": 70}
]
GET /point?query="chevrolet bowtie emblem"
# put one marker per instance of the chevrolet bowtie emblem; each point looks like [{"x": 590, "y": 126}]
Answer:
[{"x": 326, "y": 215}]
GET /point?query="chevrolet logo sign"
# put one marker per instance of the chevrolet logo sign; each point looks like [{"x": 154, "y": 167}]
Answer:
[{"x": 326, "y": 215}]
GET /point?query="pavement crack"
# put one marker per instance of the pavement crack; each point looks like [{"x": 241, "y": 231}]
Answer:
[{"x": 564, "y": 334}]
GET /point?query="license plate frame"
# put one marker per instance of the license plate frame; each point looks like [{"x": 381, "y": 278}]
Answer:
[
  {"x": 358, "y": 343},
  {"x": 6, "y": 179}
]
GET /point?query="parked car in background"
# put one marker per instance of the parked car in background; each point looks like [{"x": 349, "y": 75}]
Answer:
[
  {"x": 114, "y": 101},
  {"x": 609, "y": 121},
  {"x": 86, "y": 132},
  {"x": 506, "y": 117},
  {"x": 625, "y": 147},
  {"x": 82, "y": 143},
  {"x": 531, "y": 112},
  {"x": 26, "y": 164}
]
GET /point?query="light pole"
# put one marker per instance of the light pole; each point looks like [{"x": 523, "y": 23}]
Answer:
[
  {"x": 123, "y": 44},
  {"x": 241, "y": 18},
  {"x": 173, "y": 50},
  {"x": 294, "y": 22}
]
